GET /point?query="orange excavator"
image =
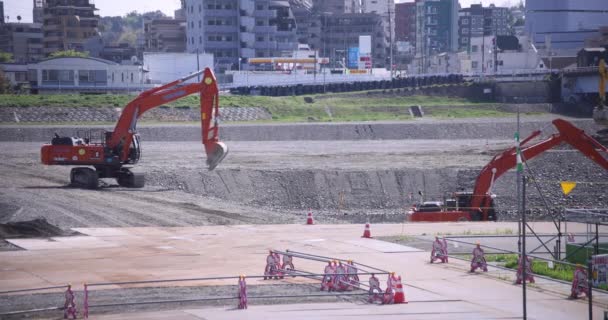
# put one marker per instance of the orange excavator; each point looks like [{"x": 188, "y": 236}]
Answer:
[
  {"x": 117, "y": 150},
  {"x": 479, "y": 204}
]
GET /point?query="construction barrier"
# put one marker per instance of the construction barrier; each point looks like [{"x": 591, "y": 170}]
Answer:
[
  {"x": 479, "y": 259},
  {"x": 520, "y": 270},
  {"x": 439, "y": 251},
  {"x": 242, "y": 293},
  {"x": 343, "y": 275},
  {"x": 579, "y": 282}
]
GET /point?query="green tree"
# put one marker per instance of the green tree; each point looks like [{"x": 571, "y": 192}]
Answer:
[
  {"x": 5, "y": 84},
  {"x": 6, "y": 57},
  {"x": 69, "y": 53}
]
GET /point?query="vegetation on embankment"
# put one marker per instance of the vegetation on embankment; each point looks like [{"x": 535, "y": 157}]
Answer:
[{"x": 360, "y": 106}]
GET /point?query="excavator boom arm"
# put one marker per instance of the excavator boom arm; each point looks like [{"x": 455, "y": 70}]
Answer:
[
  {"x": 567, "y": 132},
  {"x": 209, "y": 98}
]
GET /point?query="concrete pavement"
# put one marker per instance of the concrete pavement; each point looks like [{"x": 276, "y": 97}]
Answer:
[{"x": 435, "y": 291}]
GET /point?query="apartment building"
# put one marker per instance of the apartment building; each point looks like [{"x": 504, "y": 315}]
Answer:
[
  {"x": 165, "y": 35},
  {"x": 478, "y": 21},
  {"x": 436, "y": 29},
  {"x": 234, "y": 30},
  {"x": 23, "y": 40},
  {"x": 68, "y": 24}
]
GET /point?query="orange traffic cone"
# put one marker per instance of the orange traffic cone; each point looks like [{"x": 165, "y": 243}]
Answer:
[
  {"x": 399, "y": 294},
  {"x": 367, "y": 233},
  {"x": 309, "y": 219}
]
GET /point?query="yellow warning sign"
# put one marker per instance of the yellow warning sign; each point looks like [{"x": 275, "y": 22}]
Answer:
[{"x": 567, "y": 186}]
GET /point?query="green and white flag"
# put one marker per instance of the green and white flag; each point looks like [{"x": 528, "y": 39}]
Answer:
[{"x": 520, "y": 164}]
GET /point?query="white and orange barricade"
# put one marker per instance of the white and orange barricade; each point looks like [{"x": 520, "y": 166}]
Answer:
[
  {"x": 272, "y": 266},
  {"x": 69, "y": 306},
  {"x": 328, "y": 277},
  {"x": 479, "y": 259},
  {"x": 399, "y": 293},
  {"x": 520, "y": 268},
  {"x": 353, "y": 277},
  {"x": 389, "y": 293},
  {"x": 242, "y": 292},
  {"x": 579, "y": 282},
  {"x": 375, "y": 292},
  {"x": 287, "y": 265},
  {"x": 439, "y": 251},
  {"x": 341, "y": 278},
  {"x": 277, "y": 259}
]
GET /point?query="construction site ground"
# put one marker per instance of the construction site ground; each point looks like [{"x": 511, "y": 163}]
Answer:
[
  {"x": 188, "y": 222},
  {"x": 434, "y": 291}
]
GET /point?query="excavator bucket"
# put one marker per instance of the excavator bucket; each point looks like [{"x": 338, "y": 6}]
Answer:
[{"x": 216, "y": 152}]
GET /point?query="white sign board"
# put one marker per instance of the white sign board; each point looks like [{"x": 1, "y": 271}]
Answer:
[{"x": 365, "y": 45}]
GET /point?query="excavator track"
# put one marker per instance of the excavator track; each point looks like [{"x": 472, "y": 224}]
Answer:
[{"x": 83, "y": 177}]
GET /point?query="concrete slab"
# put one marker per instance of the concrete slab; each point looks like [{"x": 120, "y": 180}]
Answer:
[
  {"x": 56, "y": 243},
  {"x": 381, "y": 246}
]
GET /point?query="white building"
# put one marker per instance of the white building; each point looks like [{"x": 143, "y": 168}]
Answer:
[
  {"x": 164, "y": 67},
  {"x": 482, "y": 57},
  {"x": 75, "y": 74},
  {"x": 446, "y": 62}
]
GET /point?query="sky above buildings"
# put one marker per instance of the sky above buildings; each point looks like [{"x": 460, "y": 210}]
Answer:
[{"x": 14, "y": 8}]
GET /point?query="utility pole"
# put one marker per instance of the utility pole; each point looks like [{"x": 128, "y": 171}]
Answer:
[{"x": 390, "y": 32}]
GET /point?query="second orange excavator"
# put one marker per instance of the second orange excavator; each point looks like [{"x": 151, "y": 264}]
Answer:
[{"x": 479, "y": 204}]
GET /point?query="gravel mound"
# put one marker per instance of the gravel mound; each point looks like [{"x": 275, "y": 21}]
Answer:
[{"x": 37, "y": 228}]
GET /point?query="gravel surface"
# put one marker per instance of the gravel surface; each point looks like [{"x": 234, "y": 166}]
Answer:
[{"x": 128, "y": 295}]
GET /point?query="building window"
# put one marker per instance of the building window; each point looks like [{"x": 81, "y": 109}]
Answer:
[
  {"x": 200, "y": 39},
  {"x": 200, "y": 8},
  {"x": 200, "y": 24},
  {"x": 474, "y": 48},
  {"x": 192, "y": 24},
  {"x": 192, "y": 40},
  {"x": 259, "y": 23},
  {"x": 474, "y": 64},
  {"x": 122, "y": 77},
  {"x": 131, "y": 77}
]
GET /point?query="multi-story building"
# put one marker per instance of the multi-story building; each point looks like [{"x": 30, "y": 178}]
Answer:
[
  {"x": 436, "y": 29},
  {"x": 235, "y": 29},
  {"x": 307, "y": 22},
  {"x": 23, "y": 40},
  {"x": 565, "y": 24},
  {"x": 165, "y": 35},
  {"x": 1, "y": 12},
  {"x": 337, "y": 6},
  {"x": 339, "y": 32},
  {"x": 68, "y": 24},
  {"x": 478, "y": 21},
  {"x": 38, "y": 11},
  {"x": 386, "y": 10},
  {"x": 405, "y": 22}
]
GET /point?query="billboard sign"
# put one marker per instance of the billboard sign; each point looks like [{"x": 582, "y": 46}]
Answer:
[{"x": 353, "y": 58}]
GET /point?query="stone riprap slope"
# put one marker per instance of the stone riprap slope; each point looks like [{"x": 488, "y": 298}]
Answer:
[{"x": 51, "y": 115}]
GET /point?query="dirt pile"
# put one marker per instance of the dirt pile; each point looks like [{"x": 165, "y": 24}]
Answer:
[{"x": 37, "y": 228}]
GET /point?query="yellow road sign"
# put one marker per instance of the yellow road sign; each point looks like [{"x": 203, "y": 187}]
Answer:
[{"x": 567, "y": 186}]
